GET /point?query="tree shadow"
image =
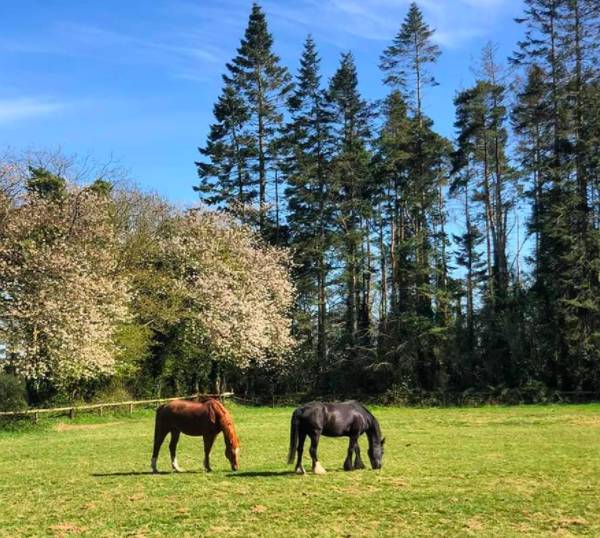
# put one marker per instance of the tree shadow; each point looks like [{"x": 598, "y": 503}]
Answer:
[{"x": 141, "y": 473}]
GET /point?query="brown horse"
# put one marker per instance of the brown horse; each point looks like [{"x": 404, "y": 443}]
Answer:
[{"x": 206, "y": 419}]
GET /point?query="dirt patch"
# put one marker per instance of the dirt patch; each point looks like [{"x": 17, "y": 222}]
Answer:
[
  {"x": 64, "y": 529},
  {"x": 64, "y": 427},
  {"x": 585, "y": 420},
  {"x": 473, "y": 526},
  {"x": 572, "y": 522}
]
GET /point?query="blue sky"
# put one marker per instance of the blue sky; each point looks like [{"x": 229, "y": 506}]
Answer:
[{"x": 136, "y": 80}]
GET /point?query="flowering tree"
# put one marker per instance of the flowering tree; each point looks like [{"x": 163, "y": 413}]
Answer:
[
  {"x": 228, "y": 294},
  {"x": 60, "y": 296},
  {"x": 109, "y": 282}
]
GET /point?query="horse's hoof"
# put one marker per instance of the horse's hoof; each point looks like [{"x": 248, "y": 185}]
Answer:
[
  {"x": 208, "y": 469},
  {"x": 300, "y": 470},
  {"x": 318, "y": 469}
]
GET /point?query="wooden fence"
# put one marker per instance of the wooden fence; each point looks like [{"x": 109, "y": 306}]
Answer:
[{"x": 71, "y": 411}]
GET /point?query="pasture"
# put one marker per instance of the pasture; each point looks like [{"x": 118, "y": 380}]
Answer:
[{"x": 491, "y": 471}]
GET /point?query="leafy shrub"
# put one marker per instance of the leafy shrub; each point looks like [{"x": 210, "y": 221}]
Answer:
[{"x": 13, "y": 394}]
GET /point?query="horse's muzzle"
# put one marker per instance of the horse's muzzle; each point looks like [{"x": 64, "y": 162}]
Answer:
[{"x": 234, "y": 467}]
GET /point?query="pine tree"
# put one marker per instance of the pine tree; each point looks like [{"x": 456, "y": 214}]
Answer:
[
  {"x": 242, "y": 146},
  {"x": 469, "y": 258},
  {"x": 225, "y": 180},
  {"x": 530, "y": 123},
  {"x": 423, "y": 247},
  {"x": 405, "y": 61},
  {"x": 257, "y": 74},
  {"x": 352, "y": 183},
  {"x": 566, "y": 290},
  {"x": 309, "y": 149},
  {"x": 481, "y": 152},
  {"x": 390, "y": 168}
]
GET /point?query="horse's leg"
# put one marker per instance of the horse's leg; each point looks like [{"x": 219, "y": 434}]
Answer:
[
  {"x": 351, "y": 448},
  {"x": 173, "y": 450},
  {"x": 301, "y": 440},
  {"x": 209, "y": 439},
  {"x": 314, "y": 443},
  {"x": 159, "y": 436},
  {"x": 358, "y": 462}
]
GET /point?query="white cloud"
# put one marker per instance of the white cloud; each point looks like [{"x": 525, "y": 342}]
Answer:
[
  {"x": 456, "y": 21},
  {"x": 125, "y": 47},
  {"x": 21, "y": 108}
]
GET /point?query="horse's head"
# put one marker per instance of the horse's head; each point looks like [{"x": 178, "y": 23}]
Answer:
[
  {"x": 376, "y": 453},
  {"x": 233, "y": 455}
]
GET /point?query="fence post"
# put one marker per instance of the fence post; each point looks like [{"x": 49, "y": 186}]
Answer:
[
  {"x": 130, "y": 408},
  {"x": 72, "y": 413},
  {"x": 36, "y": 417},
  {"x": 101, "y": 410}
]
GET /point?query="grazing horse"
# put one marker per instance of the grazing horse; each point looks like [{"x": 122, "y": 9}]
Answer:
[
  {"x": 207, "y": 419},
  {"x": 349, "y": 419}
]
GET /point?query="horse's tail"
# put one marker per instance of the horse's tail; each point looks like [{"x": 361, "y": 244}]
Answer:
[{"x": 294, "y": 428}]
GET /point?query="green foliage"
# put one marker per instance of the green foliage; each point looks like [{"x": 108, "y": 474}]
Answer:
[
  {"x": 134, "y": 343},
  {"x": 45, "y": 184},
  {"x": 13, "y": 394},
  {"x": 101, "y": 187}
]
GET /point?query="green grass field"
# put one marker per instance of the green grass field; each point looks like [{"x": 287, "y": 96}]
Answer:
[{"x": 490, "y": 471}]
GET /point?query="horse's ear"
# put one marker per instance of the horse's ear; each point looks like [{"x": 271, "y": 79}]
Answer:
[
  {"x": 382, "y": 441},
  {"x": 211, "y": 414}
]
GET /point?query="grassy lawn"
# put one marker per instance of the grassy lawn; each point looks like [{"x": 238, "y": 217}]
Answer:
[{"x": 447, "y": 472}]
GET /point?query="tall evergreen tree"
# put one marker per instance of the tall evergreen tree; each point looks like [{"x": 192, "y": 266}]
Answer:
[
  {"x": 225, "y": 180},
  {"x": 405, "y": 61},
  {"x": 566, "y": 288},
  {"x": 309, "y": 147},
  {"x": 258, "y": 75},
  {"x": 242, "y": 145},
  {"x": 352, "y": 209},
  {"x": 423, "y": 248}
]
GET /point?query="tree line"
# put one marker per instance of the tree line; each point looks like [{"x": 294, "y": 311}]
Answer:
[{"x": 392, "y": 295}]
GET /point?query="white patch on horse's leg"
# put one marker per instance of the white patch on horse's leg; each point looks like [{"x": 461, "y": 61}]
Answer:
[
  {"x": 300, "y": 470},
  {"x": 176, "y": 467},
  {"x": 318, "y": 468},
  {"x": 153, "y": 465}
]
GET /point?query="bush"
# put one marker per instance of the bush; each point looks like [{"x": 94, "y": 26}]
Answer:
[
  {"x": 13, "y": 394},
  {"x": 112, "y": 392}
]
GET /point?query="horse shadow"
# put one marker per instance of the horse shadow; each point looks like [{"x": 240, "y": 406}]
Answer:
[
  {"x": 139, "y": 473},
  {"x": 258, "y": 474},
  {"x": 235, "y": 474}
]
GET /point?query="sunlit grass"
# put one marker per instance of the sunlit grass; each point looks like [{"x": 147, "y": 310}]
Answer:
[{"x": 490, "y": 471}]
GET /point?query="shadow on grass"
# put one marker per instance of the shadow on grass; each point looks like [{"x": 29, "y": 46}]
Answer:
[
  {"x": 141, "y": 473},
  {"x": 254, "y": 474}
]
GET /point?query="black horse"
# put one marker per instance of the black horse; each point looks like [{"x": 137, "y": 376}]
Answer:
[{"x": 349, "y": 419}]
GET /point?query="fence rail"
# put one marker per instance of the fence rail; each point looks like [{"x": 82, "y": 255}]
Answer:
[{"x": 72, "y": 410}]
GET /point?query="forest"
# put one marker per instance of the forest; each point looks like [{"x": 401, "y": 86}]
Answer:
[{"x": 342, "y": 247}]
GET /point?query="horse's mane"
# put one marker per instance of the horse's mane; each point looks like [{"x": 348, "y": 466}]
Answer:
[
  {"x": 373, "y": 423},
  {"x": 225, "y": 421}
]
